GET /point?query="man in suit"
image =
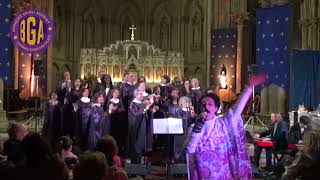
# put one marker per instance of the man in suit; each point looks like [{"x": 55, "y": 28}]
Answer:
[{"x": 277, "y": 133}]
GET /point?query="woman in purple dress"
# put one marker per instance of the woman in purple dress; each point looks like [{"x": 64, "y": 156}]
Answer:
[
  {"x": 137, "y": 127},
  {"x": 127, "y": 89},
  {"x": 184, "y": 112},
  {"x": 52, "y": 127},
  {"x": 217, "y": 146},
  {"x": 96, "y": 120}
]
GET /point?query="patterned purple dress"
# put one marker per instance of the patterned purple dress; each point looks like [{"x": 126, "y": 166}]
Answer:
[{"x": 219, "y": 150}]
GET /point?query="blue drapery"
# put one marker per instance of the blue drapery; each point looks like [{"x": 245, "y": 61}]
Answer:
[
  {"x": 5, "y": 43},
  {"x": 305, "y": 79},
  {"x": 272, "y": 38}
]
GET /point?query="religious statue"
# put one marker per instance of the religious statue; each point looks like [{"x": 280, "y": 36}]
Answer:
[{"x": 223, "y": 77}]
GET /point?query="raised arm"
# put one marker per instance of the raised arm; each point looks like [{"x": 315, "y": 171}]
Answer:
[{"x": 254, "y": 80}]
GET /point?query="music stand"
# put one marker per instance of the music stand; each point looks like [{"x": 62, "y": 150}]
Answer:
[
  {"x": 253, "y": 68},
  {"x": 168, "y": 126}
]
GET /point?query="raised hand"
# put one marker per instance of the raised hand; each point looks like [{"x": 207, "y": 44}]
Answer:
[{"x": 257, "y": 79}]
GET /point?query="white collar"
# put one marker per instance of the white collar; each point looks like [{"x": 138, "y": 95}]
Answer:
[
  {"x": 195, "y": 88},
  {"x": 145, "y": 94},
  {"x": 184, "y": 109},
  {"x": 165, "y": 84},
  {"x": 96, "y": 104},
  {"x": 115, "y": 100},
  {"x": 156, "y": 95},
  {"x": 137, "y": 101},
  {"x": 85, "y": 99},
  {"x": 53, "y": 102},
  {"x": 130, "y": 83}
]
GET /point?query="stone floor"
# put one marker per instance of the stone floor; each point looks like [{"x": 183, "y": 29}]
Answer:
[{"x": 158, "y": 169}]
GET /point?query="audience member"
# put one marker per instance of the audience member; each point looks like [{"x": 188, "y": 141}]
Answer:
[
  {"x": 307, "y": 162},
  {"x": 92, "y": 166},
  {"x": 12, "y": 147},
  {"x": 39, "y": 162},
  {"x": 297, "y": 131},
  {"x": 108, "y": 146}
]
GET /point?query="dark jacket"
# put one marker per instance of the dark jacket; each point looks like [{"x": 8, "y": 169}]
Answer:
[
  {"x": 279, "y": 137},
  {"x": 295, "y": 134},
  {"x": 305, "y": 166}
]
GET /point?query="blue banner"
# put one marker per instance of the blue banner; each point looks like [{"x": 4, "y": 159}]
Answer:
[
  {"x": 5, "y": 42},
  {"x": 223, "y": 56},
  {"x": 272, "y": 44}
]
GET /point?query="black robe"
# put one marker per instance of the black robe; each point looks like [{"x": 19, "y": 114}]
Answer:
[
  {"x": 178, "y": 140},
  {"x": 196, "y": 95},
  {"x": 82, "y": 115},
  {"x": 62, "y": 91},
  {"x": 136, "y": 131},
  {"x": 126, "y": 92},
  {"x": 118, "y": 127},
  {"x": 52, "y": 127},
  {"x": 165, "y": 91},
  {"x": 96, "y": 123}
]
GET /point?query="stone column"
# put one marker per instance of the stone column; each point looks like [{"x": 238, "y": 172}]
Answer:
[
  {"x": 49, "y": 52},
  {"x": 209, "y": 23},
  {"x": 2, "y": 111},
  {"x": 240, "y": 20}
]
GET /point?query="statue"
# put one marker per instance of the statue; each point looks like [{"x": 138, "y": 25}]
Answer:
[{"x": 223, "y": 77}]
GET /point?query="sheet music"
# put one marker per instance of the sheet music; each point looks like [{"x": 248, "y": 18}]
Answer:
[{"x": 167, "y": 126}]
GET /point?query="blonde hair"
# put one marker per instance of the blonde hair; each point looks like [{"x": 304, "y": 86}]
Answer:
[
  {"x": 311, "y": 141},
  {"x": 184, "y": 99},
  {"x": 196, "y": 80}
]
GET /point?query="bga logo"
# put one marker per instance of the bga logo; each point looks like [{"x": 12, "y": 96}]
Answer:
[{"x": 32, "y": 31}]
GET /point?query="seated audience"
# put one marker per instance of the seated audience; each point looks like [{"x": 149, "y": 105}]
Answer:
[
  {"x": 307, "y": 162},
  {"x": 92, "y": 166},
  {"x": 297, "y": 131},
  {"x": 12, "y": 147},
  {"x": 65, "y": 150},
  {"x": 277, "y": 133},
  {"x": 108, "y": 146},
  {"x": 39, "y": 162}
]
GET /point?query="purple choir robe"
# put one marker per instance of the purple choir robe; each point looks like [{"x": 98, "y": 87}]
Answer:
[
  {"x": 52, "y": 127},
  {"x": 126, "y": 92},
  {"x": 82, "y": 115},
  {"x": 117, "y": 125},
  {"x": 96, "y": 123},
  {"x": 196, "y": 95},
  {"x": 218, "y": 150},
  {"x": 165, "y": 90},
  {"x": 178, "y": 140},
  {"x": 136, "y": 130}
]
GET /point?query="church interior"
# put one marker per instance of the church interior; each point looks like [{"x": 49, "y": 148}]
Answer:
[{"x": 103, "y": 50}]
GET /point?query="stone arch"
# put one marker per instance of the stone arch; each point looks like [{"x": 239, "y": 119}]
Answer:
[
  {"x": 162, "y": 26},
  {"x": 120, "y": 49},
  {"x": 132, "y": 51},
  {"x": 150, "y": 51},
  {"x": 56, "y": 73}
]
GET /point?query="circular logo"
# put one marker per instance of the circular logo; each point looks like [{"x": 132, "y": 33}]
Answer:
[{"x": 32, "y": 31}]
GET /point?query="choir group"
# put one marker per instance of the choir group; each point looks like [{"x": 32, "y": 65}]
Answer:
[{"x": 88, "y": 111}]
